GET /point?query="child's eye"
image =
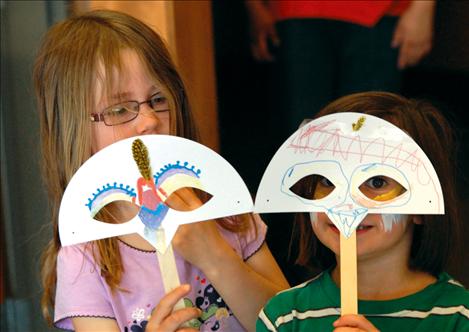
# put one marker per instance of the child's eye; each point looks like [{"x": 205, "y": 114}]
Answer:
[
  {"x": 381, "y": 188},
  {"x": 118, "y": 110},
  {"x": 312, "y": 187},
  {"x": 323, "y": 188},
  {"x": 158, "y": 98},
  {"x": 325, "y": 182},
  {"x": 376, "y": 182},
  {"x": 159, "y": 102}
]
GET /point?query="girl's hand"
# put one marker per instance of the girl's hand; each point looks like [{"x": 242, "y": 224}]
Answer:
[
  {"x": 163, "y": 319},
  {"x": 355, "y": 323},
  {"x": 195, "y": 242},
  {"x": 262, "y": 30},
  {"x": 414, "y": 32},
  {"x": 202, "y": 244}
]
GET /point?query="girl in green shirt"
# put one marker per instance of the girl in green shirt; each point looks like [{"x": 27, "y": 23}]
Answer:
[{"x": 402, "y": 285}]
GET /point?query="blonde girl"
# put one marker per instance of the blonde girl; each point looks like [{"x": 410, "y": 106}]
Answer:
[{"x": 87, "y": 68}]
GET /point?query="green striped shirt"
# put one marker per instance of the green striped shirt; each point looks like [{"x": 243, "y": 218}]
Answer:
[{"x": 315, "y": 305}]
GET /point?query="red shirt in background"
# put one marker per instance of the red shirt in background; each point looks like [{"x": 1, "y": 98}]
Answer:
[{"x": 366, "y": 13}]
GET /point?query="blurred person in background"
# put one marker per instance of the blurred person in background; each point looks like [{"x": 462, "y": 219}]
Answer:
[{"x": 327, "y": 49}]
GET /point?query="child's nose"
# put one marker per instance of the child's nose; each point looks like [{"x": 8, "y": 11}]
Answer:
[{"x": 147, "y": 120}]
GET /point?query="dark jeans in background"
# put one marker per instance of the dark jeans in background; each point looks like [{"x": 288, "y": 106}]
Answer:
[{"x": 320, "y": 60}]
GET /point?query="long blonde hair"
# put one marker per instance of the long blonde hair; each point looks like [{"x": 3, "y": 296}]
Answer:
[{"x": 65, "y": 75}]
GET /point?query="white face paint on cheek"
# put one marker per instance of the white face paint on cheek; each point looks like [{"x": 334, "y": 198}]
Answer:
[
  {"x": 313, "y": 217},
  {"x": 388, "y": 220}
]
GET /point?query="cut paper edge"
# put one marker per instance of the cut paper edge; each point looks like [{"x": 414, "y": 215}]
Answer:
[
  {"x": 230, "y": 195},
  {"x": 307, "y": 148}
]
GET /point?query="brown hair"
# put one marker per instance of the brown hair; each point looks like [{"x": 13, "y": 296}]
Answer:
[
  {"x": 65, "y": 75},
  {"x": 436, "y": 240}
]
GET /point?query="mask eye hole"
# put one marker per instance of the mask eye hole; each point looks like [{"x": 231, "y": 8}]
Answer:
[
  {"x": 381, "y": 188},
  {"x": 187, "y": 199},
  {"x": 117, "y": 212},
  {"x": 313, "y": 187}
]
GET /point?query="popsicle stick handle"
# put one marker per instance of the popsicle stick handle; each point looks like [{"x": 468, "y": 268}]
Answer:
[
  {"x": 348, "y": 274},
  {"x": 169, "y": 272}
]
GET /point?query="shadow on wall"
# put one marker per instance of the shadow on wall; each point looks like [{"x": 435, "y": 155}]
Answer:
[{"x": 24, "y": 212}]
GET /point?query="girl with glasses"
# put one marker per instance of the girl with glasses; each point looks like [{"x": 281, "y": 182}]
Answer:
[{"x": 99, "y": 78}]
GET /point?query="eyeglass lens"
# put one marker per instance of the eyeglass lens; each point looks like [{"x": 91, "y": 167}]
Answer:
[{"x": 127, "y": 111}]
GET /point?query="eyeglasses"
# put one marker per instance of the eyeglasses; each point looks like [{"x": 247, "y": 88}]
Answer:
[{"x": 127, "y": 111}]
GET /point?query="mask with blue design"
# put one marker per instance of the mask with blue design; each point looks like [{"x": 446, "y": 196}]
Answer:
[
  {"x": 344, "y": 151},
  {"x": 144, "y": 171}
]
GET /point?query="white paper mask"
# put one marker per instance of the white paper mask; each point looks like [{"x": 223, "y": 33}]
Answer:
[
  {"x": 112, "y": 174},
  {"x": 348, "y": 149}
]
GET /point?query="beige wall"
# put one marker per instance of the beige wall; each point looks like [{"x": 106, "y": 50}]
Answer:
[{"x": 186, "y": 26}]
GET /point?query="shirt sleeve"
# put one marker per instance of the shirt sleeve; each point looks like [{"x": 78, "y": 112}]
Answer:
[
  {"x": 264, "y": 323},
  {"x": 254, "y": 237},
  {"x": 81, "y": 291}
]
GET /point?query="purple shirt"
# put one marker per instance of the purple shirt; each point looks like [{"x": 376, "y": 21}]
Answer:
[{"x": 82, "y": 292}]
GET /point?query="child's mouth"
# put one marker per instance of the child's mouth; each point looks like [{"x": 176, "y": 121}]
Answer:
[
  {"x": 360, "y": 229},
  {"x": 363, "y": 228}
]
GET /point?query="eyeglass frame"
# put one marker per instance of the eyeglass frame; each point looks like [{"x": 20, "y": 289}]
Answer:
[{"x": 99, "y": 117}]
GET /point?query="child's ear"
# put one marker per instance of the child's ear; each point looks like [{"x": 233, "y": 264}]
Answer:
[{"x": 417, "y": 220}]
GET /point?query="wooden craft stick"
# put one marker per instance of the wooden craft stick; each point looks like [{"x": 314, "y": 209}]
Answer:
[
  {"x": 167, "y": 263},
  {"x": 348, "y": 274}
]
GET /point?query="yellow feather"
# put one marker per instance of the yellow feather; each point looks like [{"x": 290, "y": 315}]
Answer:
[
  {"x": 359, "y": 124},
  {"x": 140, "y": 154}
]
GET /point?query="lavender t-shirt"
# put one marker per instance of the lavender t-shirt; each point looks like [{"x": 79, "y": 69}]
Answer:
[{"x": 82, "y": 292}]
